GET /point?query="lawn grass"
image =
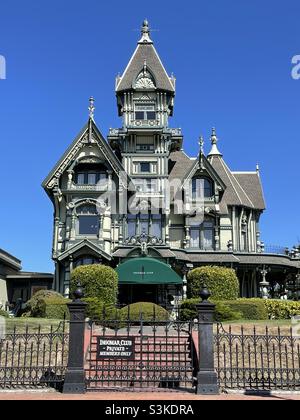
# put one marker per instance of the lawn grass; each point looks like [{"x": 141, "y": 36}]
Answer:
[
  {"x": 285, "y": 326},
  {"x": 34, "y": 325}
]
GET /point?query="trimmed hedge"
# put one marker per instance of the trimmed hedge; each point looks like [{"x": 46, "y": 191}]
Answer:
[
  {"x": 221, "y": 282},
  {"x": 98, "y": 281},
  {"x": 147, "y": 310},
  {"x": 3, "y": 314},
  {"x": 97, "y": 310},
  {"x": 224, "y": 312},
  {"x": 53, "y": 308},
  {"x": 282, "y": 309},
  {"x": 253, "y": 309}
]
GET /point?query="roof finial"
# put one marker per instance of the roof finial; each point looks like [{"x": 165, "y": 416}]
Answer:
[
  {"x": 214, "y": 140},
  {"x": 92, "y": 107},
  {"x": 145, "y": 33},
  {"x": 258, "y": 168},
  {"x": 201, "y": 144}
]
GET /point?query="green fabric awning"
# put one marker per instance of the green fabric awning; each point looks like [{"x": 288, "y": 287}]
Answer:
[{"x": 147, "y": 271}]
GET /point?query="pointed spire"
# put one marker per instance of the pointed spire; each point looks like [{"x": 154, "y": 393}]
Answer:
[
  {"x": 145, "y": 33},
  {"x": 214, "y": 140},
  {"x": 92, "y": 108}
]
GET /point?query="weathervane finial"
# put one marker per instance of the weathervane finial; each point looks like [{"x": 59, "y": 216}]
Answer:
[
  {"x": 145, "y": 33},
  {"x": 92, "y": 107},
  {"x": 201, "y": 144}
]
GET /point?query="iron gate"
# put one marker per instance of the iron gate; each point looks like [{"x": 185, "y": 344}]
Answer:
[{"x": 126, "y": 355}]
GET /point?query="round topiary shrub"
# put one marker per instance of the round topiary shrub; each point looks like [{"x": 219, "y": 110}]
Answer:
[
  {"x": 98, "y": 281},
  {"x": 33, "y": 306},
  {"x": 221, "y": 282},
  {"x": 146, "y": 310}
]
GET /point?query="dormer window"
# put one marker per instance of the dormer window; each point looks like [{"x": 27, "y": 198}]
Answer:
[
  {"x": 145, "y": 112},
  {"x": 202, "y": 188}
]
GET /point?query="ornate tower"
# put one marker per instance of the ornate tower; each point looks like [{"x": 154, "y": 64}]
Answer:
[{"x": 145, "y": 97}]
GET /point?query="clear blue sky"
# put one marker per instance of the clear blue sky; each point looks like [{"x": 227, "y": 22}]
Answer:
[{"x": 232, "y": 60}]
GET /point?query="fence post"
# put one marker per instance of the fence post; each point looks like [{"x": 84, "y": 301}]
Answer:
[
  {"x": 207, "y": 377},
  {"x": 75, "y": 375}
]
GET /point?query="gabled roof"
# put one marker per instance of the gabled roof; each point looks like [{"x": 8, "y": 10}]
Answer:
[
  {"x": 180, "y": 165},
  {"x": 205, "y": 165},
  {"x": 145, "y": 53},
  {"x": 234, "y": 194},
  {"x": 85, "y": 243},
  {"x": 71, "y": 154},
  {"x": 251, "y": 184}
]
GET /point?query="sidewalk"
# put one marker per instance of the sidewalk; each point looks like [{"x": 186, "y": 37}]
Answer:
[{"x": 139, "y": 396}]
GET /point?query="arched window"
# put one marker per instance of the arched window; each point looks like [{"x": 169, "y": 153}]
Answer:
[
  {"x": 202, "y": 234},
  {"x": 88, "y": 220},
  {"x": 202, "y": 188},
  {"x": 87, "y": 260}
]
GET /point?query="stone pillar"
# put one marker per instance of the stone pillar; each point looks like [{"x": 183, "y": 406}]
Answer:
[
  {"x": 207, "y": 377},
  {"x": 75, "y": 374}
]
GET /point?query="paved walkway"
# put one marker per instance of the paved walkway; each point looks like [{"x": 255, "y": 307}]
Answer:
[{"x": 139, "y": 396}]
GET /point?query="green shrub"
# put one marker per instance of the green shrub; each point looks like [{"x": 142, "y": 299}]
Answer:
[
  {"x": 188, "y": 311},
  {"x": 98, "y": 281},
  {"x": 33, "y": 306},
  {"x": 3, "y": 314},
  {"x": 253, "y": 309},
  {"x": 97, "y": 310},
  {"x": 282, "y": 309},
  {"x": 52, "y": 308},
  {"x": 221, "y": 282},
  {"x": 146, "y": 309}
]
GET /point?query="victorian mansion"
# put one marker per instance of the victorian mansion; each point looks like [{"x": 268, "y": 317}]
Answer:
[{"x": 184, "y": 212}]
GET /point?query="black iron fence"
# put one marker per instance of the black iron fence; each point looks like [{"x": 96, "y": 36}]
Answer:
[
  {"x": 147, "y": 353},
  {"x": 33, "y": 357},
  {"x": 257, "y": 361}
]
